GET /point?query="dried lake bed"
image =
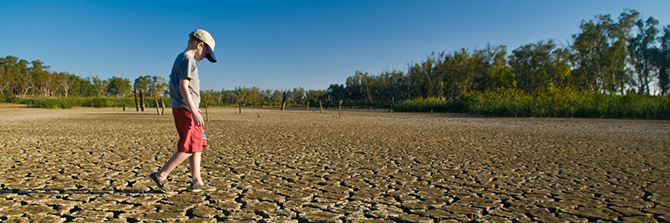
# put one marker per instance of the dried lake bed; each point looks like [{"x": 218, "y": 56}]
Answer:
[{"x": 91, "y": 165}]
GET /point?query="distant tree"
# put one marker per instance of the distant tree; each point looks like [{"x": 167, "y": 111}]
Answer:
[
  {"x": 156, "y": 85},
  {"x": 118, "y": 87},
  {"x": 335, "y": 93},
  {"x": 42, "y": 77},
  {"x": 663, "y": 62},
  {"x": 499, "y": 74},
  {"x": 142, "y": 83},
  {"x": 314, "y": 96},
  {"x": 94, "y": 86},
  {"x": 5, "y": 79},
  {"x": 643, "y": 52},
  {"x": 532, "y": 66}
]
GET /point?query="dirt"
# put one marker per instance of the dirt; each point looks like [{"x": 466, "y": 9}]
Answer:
[{"x": 91, "y": 165}]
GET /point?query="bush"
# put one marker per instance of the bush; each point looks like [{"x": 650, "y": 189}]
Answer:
[
  {"x": 567, "y": 103},
  {"x": 429, "y": 104},
  {"x": 8, "y": 96},
  {"x": 96, "y": 102},
  {"x": 557, "y": 103}
]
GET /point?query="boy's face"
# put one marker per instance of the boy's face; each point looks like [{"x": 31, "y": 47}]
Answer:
[{"x": 201, "y": 52}]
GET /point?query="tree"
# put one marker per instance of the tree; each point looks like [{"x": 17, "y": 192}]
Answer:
[
  {"x": 42, "y": 78},
  {"x": 590, "y": 49},
  {"x": 142, "y": 83},
  {"x": 643, "y": 53},
  {"x": 5, "y": 79},
  {"x": 156, "y": 85},
  {"x": 335, "y": 93},
  {"x": 118, "y": 87},
  {"x": 94, "y": 86},
  {"x": 663, "y": 61}
]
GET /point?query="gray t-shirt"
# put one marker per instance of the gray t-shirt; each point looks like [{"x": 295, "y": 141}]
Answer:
[{"x": 184, "y": 67}]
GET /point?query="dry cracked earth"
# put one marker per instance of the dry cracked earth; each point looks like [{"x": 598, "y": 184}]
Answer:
[{"x": 91, "y": 165}]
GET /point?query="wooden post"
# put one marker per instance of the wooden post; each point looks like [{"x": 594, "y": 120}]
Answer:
[
  {"x": 156, "y": 103},
  {"x": 283, "y": 102},
  {"x": 240, "y": 108},
  {"x": 137, "y": 103},
  {"x": 124, "y": 107},
  {"x": 162, "y": 106},
  {"x": 141, "y": 100},
  {"x": 307, "y": 108},
  {"x": 206, "y": 113},
  {"x": 339, "y": 110},
  {"x": 320, "y": 107}
]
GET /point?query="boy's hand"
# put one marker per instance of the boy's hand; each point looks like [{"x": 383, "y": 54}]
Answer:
[{"x": 197, "y": 118}]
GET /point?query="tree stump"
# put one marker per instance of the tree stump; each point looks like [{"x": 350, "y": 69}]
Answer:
[
  {"x": 339, "y": 110},
  {"x": 162, "y": 106},
  {"x": 156, "y": 103},
  {"x": 141, "y": 100},
  {"x": 137, "y": 103},
  {"x": 320, "y": 107},
  {"x": 283, "y": 102}
]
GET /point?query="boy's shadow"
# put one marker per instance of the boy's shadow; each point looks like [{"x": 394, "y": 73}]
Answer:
[{"x": 75, "y": 191}]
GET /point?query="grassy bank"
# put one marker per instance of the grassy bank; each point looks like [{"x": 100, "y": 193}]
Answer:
[
  {"x": 561, "y": 103},
  {"x": 96, "y": 102}
]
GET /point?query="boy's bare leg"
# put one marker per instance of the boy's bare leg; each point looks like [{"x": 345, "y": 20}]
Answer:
[
  {"x": 195, "y": 168},
  {"x": 174, "y": 161}
]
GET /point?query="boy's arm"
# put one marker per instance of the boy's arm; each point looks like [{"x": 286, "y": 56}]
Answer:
[{"x": 183, "y": 89}]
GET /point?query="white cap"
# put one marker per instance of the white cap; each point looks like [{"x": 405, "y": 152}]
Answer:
[{"x": 206, "y": 38}]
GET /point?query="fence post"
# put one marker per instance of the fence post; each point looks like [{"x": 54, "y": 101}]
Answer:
[
  {"x": 320, "y": 107},
  {"x": 283, "y": 101},
  {"x": 339, "y": 110},
  {"x": 206, "y": 113},
  {"x": 307, "y": 108}
]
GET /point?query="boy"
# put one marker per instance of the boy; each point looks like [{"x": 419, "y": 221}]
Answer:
[{"x": 185, "y": 94}]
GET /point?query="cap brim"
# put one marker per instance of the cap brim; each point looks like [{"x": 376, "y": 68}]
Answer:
[{"x": 210, "y": 55}]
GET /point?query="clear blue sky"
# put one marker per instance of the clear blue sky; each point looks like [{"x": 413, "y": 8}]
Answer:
[{"x": 283, "y": 44}]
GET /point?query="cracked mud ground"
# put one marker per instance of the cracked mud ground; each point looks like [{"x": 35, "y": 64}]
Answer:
[{"x": 91, "y": 165}]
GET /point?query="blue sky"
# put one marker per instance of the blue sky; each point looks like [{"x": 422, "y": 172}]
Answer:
[{"x": 283, "y": 44}]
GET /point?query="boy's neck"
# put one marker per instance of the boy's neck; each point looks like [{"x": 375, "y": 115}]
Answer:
[
  {"x": 190, "y": 52},
  {"x": 191, "y": 49}
]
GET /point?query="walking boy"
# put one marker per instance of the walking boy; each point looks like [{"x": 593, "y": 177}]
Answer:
[{"x": 185, "y": 94}]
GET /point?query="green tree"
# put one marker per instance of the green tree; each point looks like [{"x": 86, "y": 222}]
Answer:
[
  {"x": 5, "y": 78},
  {"x": 531, "y": 64},
  {"x": 94, "y": 86},
  {"x": 42, "y": 77},
  {"x": 335, "y": 93},
  {"x": 142, "y": 83},
  {"x": 663, "y": 61},
  {"x": 643, "y": 53},
  {"x": 118, "y": 87},
  {"x": 156, "y": 85}
]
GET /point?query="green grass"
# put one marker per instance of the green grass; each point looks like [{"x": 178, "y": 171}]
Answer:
[
  {"x": 96, "y": 102},
  {"x": 559, "y": 103}
]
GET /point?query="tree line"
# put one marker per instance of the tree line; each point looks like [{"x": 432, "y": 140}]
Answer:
[
  {"x": 22, "y": 78},
  {"x": 626, "y": 55},
  {"x": 614, "y": 56}
]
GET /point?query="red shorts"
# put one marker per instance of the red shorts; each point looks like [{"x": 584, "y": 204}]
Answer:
[{"x": 191, "y": 137}]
